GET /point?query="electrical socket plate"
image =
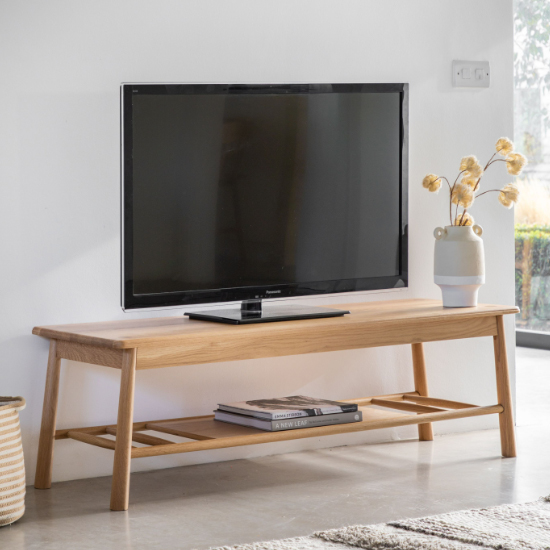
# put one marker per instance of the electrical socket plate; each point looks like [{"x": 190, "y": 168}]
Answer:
[{"x": 471, "y": 74}]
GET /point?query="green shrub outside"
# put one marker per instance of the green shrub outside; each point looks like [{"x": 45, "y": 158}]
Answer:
[{"x": 539, "y": 235}]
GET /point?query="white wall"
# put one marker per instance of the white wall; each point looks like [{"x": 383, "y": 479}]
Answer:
[{"x": 61, "y": 64}]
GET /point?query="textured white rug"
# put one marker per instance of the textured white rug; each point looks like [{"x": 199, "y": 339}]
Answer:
[{"x": 510, "y": 527}]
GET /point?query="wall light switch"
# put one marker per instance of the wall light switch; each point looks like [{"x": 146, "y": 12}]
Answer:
[{"x": 471, "y": 74}]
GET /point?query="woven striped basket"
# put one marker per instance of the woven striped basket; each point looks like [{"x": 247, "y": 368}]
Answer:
[{"x": 12, "y": 467}]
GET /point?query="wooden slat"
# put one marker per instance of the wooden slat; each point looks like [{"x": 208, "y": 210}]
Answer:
[
  {"x": 389, "y": 316},
  {"x": 92, "y": 430},
  {"x": 362, "y": 401},
  {"x": 150, "y": 439},
  {"x": 404, "y": 406},
  {"x": 91, "y": 439},
  {"x": 98, "y": 430},
  {"x": 435, "y": 402},
  {"x": 267, "y": 437},
  {"x": 143, "y": 438},
  {"x": 86, "y": 353},
  {"x": 181, "y": 428}
]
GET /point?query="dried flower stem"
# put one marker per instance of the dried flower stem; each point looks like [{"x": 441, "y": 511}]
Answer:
[
  {"x": 489, "y": 162},
  {"x": 451, "y": 189},
  {"x": 444, "y": 178},
  {"x": 490, "y": 191},
  {"x": 462, "y": 172},
  {"x": 496, "y": 160}
]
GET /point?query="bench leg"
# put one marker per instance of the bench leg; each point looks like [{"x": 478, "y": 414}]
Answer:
[
  {"x": 43, "y": 478},
  {"x": 506, "y": 418},
  {"x": 425, "y": 432},
  {"x": 120, "y": 489}
]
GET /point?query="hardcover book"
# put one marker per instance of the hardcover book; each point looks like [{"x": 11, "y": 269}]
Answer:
[
  {"x": 289, "y": 423},
  {"x": 295, "y": 406}
]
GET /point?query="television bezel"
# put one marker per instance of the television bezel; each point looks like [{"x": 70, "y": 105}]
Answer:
[{"x": 130, "y": 301}]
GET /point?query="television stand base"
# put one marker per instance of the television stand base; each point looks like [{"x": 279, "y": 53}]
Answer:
[{"x": 252, "y": 312}]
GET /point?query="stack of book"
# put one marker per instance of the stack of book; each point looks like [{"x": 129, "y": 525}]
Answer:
[{"x": 288, "y": 413}]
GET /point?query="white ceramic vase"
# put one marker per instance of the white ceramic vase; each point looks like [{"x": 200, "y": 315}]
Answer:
[{"x": 459, "y": 264}]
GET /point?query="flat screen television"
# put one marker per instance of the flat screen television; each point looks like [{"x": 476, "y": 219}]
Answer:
[{"x": 237, "y": 192}]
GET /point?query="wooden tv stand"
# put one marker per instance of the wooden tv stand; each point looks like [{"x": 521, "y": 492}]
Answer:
[{"x": 176, "y": 341}]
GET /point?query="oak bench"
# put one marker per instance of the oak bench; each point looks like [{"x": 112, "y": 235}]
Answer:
[{"x": 137, "y": 344}]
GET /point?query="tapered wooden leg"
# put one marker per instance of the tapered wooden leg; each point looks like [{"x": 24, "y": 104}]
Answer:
[
  {"x": 120, "y": 489},
  {"x": 43, "y": 479},
  {"x": 425, "y": 431},
  {"x": 506, "y": 418}
]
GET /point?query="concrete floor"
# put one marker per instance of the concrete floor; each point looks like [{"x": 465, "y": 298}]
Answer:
[{"x": 197, "y": 507}]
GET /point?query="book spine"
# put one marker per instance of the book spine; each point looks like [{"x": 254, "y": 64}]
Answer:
[
  {"x": 293, "y": 414},
  {"x": 315, "y": 421},
  {"x": 315, "y": 412}
]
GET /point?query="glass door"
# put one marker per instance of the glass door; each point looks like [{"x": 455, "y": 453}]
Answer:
[{"x": 532, "y": 138}]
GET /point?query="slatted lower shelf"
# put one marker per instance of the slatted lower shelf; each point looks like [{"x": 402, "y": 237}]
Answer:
[{"x": 384, "y": 411}]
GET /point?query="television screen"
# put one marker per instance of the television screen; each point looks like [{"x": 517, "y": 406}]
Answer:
[{"x": 236, "y": 192}]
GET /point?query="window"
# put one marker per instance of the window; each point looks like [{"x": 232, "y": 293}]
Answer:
[{"x": 532, "y": 138}]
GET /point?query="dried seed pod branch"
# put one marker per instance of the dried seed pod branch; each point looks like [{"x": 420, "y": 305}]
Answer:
[{"x": 462, "y": 193}]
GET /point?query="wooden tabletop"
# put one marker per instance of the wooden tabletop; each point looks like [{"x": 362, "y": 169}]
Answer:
[{"x": 137, "y": 333}]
